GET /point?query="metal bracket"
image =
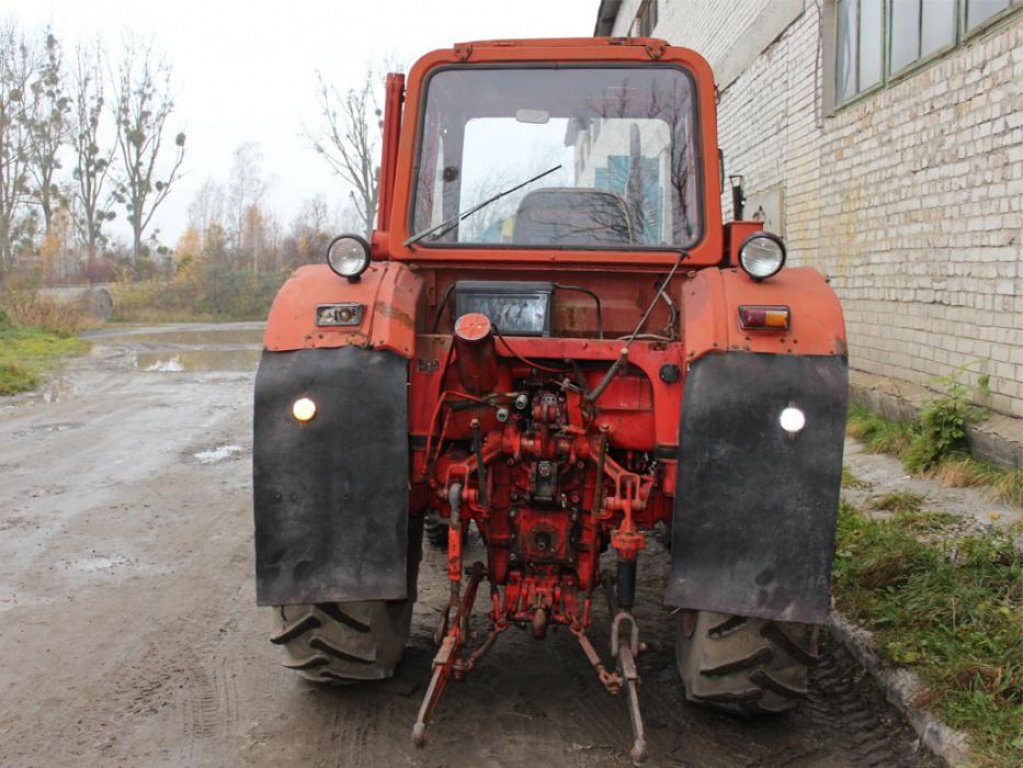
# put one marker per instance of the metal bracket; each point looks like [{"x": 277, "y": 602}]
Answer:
[{"x": 655, "y": 50}]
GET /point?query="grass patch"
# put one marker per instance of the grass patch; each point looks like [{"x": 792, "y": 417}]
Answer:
[
  {"x": 28, "y": 354},
  {"x": 952, "y": 611},
  {"x": 899, "y": 502},
  {"x": 877, "y": 433}
]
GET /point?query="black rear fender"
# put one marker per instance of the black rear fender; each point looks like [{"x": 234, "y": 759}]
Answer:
[
  {"x": 753, "y": 531},
  {"x": 331, "y": 494}
]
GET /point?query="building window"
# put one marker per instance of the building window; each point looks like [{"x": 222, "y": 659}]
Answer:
[
  {"x": 979, "y": 11},
  {"x": 878, "y": 39},
  {"x": 646, "y": 19},
  {"x": 859, "y": 46},
  {"x": 920, "y": 28}
]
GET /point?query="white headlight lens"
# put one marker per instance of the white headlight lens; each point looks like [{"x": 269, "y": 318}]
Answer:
[
  {"x": 348, "y": 255},
  {"x": 762, "y": 255},
  {"x": 303, "y": 409},
  {"x": 792, "y": 420}
]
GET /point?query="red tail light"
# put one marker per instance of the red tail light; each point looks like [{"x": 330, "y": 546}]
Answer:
[{"x": 752, "y": 318}]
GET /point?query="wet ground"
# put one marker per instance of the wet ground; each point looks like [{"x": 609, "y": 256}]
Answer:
[{"x": 130, "y": 634}]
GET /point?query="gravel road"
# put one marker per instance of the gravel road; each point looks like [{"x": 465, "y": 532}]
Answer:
[{"x": 130, "y": 634}]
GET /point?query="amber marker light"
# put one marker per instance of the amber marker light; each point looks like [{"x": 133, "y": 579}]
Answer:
[{"x": 303, "y": 409}]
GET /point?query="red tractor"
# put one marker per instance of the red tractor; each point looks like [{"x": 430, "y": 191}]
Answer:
[{"x": 551, "y": 336}]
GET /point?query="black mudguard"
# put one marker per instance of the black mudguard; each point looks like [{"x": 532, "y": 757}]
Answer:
[
  {"x": 331, "y": 495},
  {"x": 753, "y": 532}
]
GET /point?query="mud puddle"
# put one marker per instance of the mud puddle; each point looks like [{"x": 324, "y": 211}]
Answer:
[{"x": 184, "y": 348}]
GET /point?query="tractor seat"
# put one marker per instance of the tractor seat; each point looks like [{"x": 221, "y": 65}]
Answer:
[{"x": 572, "y": 216}]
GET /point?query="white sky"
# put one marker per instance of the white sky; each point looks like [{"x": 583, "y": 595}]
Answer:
[{"x": 245, "y": 71}]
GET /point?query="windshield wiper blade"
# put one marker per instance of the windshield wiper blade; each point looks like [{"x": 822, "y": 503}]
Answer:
[{"x": 447, "y": 225}]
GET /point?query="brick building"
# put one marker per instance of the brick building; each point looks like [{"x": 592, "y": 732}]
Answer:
[{"x": 884, "y": 140}]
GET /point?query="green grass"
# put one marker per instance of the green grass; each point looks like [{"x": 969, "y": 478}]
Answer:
[
  {"x": 877, "y": 433},
  {"x": 28, "y": 354},
  {"x": 952, "y": 610},
  {"x": 900, "y": 502}
]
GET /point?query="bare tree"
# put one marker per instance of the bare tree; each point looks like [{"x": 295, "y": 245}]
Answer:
[
  {"x": 92, "y": 162},
  {"x": 207, "y": 207},
  {"x": 48, "y": 124},
  {"x": 245, "y": 188},
  {"x": 143, "y": 107},
  {"x": 16, "y": 70},
  {"x": 348, "y": 140}
]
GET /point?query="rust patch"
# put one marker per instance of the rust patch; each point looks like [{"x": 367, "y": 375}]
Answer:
[{"x": 389, "y": 310}]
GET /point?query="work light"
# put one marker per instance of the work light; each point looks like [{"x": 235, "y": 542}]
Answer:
[
  {"x": 762, "y": 255},
  {"x": 348, "y": 256}
]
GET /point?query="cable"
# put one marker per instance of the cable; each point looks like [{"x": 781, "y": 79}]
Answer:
[
  {"x": 522, "y": 359},
  {"x": 623, "y": 356},
  {"x": 440, "y": 307},
  {"x": 596, "y": 299}
]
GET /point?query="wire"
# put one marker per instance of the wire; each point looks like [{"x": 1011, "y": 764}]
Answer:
[
  {"x": 596, "y": 299},
  {"x": 623, "y": 356},
  {"x": 522, "y": 359},
  {"x": 440, "y": 307},
  {"x": 646, "y": 337},
  {"x": 672, "y": 314}
]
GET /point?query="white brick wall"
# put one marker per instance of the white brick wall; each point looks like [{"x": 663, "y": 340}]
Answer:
[{"x": 911, "y": 199}]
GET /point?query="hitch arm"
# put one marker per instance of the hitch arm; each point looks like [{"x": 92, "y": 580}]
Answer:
[{"x": 446, "y": 662}]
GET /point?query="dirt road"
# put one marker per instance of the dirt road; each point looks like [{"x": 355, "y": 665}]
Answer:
[{"x": 130, "y": 634}]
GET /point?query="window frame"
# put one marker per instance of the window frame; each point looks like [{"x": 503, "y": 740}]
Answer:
[
  {"x": 702, "y": 223},
  {"x": 889, "y": 77}
]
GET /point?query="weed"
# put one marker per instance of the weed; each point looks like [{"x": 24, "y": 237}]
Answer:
[
  {"x": 899, "y": 502},
  {"x": 28, "y": 310},
  {"x": 951, "y": 611},
  {"x": 926, "y": 522},
  {"x": 877, "y": 433},
  {"x": 940, "y": 432}
]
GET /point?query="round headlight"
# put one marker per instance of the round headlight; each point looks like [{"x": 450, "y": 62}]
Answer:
[
  {"x": 348, "y": 255},
  {"x": 761, "y": 255}
]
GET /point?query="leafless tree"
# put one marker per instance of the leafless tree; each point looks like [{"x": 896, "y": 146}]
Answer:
[
  {"x": 143, "y": 107},
  {"x": 207, "y": 207},
  {"x": 17, "y": 66},
  {"x": 348, "y": 139},
  {"x": 92, "y": 161},
  {"x": 245, "y": 188},
  {"x": 48, "y": 125}
]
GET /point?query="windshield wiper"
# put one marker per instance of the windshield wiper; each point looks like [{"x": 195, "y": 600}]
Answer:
[{"x": 446, "y": 226}]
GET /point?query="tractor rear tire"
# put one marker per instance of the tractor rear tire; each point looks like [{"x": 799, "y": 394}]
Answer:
[
  {"x": 435, "y": 530},
  {"x": 743, "y": 665},
  {"x": 339, "y": 643},
  {"x": 342, "y": 643}
]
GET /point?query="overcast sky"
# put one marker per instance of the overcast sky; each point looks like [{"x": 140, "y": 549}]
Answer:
[{"x": 245, "y": 71}]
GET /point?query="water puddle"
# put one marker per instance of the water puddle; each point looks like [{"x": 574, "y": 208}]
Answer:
[
  {"x": 177, "y": 361},
  {"x": 181, "y": 348},
  {"x": 232, "y": 334}
]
